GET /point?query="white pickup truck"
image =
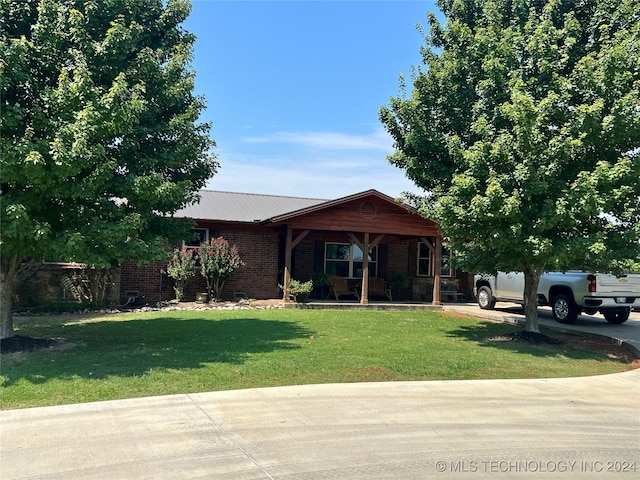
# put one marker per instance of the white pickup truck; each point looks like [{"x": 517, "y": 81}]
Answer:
[{"x": 569, "y": 293}]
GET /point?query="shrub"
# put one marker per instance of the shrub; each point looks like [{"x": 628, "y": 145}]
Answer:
[
  {"x": 181, "y": 267},
  {"x": 218, "y": 260},
  {"x": 298, "y": 290}
]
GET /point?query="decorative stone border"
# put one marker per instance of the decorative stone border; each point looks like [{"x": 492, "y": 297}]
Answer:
[{"x": 245, "y": 304}]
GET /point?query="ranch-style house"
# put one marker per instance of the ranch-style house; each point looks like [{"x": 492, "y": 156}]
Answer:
[{"x": 281, "y": 238}]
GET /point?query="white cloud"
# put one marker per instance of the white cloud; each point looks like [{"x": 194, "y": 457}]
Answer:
[
  {"x": 319, "y": 176},
  {"x": 310, "y": 164},
  {"x": 377, "y": 140}
]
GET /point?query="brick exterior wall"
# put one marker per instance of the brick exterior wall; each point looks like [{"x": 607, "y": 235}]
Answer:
[
  {"x": 258, "y": 278},
  {"x": 398, "y": 260},
  {"x": 147, "y": 280},
  {"x": 303, "y": 261},
  {"x": 263, "y": 252}
]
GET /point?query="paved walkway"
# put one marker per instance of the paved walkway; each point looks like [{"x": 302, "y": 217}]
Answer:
[{"x": 548, "y": 428}]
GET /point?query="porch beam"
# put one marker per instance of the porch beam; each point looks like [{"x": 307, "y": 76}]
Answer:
[
  {"x": 364, "y": 296},
  {"x": 366, "y": 247},
  {"x": 287, "y": 264},
  {"x": 436, "y": 272},
  {"x": 377, "y": 240},
  {"x": 289, "y": 246},
  {"x": 355, "y": 240},
  {"x": 299, "y": 238},
  {"x": 372, "y": 245},
  {"x": 427, "y": 242}
]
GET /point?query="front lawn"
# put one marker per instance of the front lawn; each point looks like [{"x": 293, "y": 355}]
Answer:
[{"x": 159, "y": 353}]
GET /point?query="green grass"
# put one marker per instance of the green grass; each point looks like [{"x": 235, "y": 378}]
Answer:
[{"x": 159, "y": 353}]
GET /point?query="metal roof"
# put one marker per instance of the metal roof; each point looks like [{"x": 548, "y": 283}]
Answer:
[{"x": 243, "y": 207}]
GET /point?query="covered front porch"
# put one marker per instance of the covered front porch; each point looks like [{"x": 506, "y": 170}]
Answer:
[{"x": 331, "y": 239}]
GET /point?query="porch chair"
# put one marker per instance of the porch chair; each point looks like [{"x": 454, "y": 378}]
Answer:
[
  {"x": 339, "y": 286},
  {"x": 450, "y": 291},
  {"x": 379, "y": 288}
]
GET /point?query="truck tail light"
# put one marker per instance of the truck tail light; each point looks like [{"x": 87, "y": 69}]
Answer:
[{"x": 592, "y": 283}]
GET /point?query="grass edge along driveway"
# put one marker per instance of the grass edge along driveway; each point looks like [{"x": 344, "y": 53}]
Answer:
[{"x": 158, "y": 353}]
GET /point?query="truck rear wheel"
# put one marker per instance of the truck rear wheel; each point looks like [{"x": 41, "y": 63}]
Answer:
[
  {"x": 485, "y": 298},
  {"x": 617, "y": 316},
  {"x": 564, "y": 309}
]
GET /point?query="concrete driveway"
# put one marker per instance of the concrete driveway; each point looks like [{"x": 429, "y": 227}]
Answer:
[{"x": 549, "y": 428}]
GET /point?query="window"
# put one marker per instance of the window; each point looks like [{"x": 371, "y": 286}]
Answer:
[
  {"x": 345, "y": 260},
  {"x": 426, "y": 260},
  {"x": 199, "y": 235},
  {"x": 446, "y": 266}
]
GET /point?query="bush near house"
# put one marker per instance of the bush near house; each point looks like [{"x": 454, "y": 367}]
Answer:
[{"x": 218, "y": 261}]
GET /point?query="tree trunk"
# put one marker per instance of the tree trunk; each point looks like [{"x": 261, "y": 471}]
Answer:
[
  {"x": 531, "y": 280},
  {"x": 99, "y": 284},
  {"x": 9, "y": 267},
  {"x": 218, "y": 285}
]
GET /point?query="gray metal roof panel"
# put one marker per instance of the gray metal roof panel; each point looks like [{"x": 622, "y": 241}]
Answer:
[{"x": 243, "y": 207}]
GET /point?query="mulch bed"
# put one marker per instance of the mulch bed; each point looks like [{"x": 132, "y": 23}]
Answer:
[
  {"x": 601, "y": 345},
  {"x": 531, "y": 338},
  {"x": 19, "y": 343}
]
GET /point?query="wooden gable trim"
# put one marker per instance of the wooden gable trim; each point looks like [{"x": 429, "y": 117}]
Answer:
[{"x": 374, "y": 214}]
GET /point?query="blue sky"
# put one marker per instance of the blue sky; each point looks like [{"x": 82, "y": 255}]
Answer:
[{"x": 293, "y": 90}]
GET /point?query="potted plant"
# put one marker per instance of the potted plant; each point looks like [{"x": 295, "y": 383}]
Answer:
[
  {"x": 320, "y": 282},
  {"x": 299, "y": 291},
  {"x": 202, "y": 297},
  {"x": 399, "y": 284}
]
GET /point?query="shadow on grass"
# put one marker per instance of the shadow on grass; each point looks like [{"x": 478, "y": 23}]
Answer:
[
  {"x": 98, "y": 350},
  {"x": 513, "y": 338}
]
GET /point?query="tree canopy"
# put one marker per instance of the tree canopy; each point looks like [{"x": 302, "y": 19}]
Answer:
[
  {"x": 523, "y": 125},
  {"x": 100, "y": 137}
]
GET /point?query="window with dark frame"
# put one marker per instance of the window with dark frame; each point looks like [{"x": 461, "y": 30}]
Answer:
[
  {"x": 426, "y": 262},
  {"x": 446, "y": 266},
  {"x": 198, "y": 236},
  {"x": 346, "y": 260}
]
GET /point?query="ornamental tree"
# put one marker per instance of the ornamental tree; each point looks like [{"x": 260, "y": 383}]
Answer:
[
  {"x": 523, "y": 126},
  {"x": 182, "y": 268},
  {"x": 218, "y": 261},
  {"x": 100, "y": 139}
]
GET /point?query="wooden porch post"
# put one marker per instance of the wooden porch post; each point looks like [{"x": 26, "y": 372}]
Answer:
[
  {"x": 436, "y": 272},
  {"x": 287, "y": 264},
  {"x": 365, "y": 247},
  {"x": 289, "y": 246},
  {"x": 364, "y": 296}
]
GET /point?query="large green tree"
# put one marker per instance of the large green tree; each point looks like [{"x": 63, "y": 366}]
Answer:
[
  {"x": 100, "y": 139},
  {"x": 524, "y": 126}
]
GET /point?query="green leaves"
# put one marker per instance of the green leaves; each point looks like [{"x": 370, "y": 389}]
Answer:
[
  {"x": 99, "y": 135},
  {"x": 524, "y": 123}
]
